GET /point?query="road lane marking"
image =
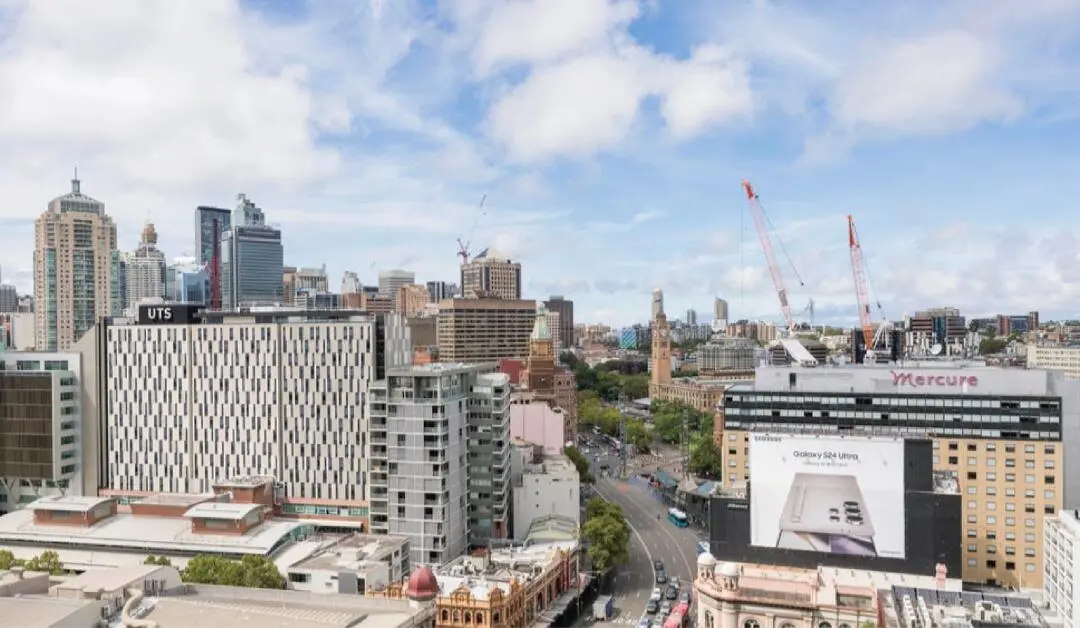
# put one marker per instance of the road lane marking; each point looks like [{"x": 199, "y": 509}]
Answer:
[
  {"x": 632, "y": 529},
  {"x": 689, "y": 566}
]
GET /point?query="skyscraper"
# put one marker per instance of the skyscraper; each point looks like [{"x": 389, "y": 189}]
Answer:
[
  {"x": 720, "y": 315},
  {"x": 76, "y": 269},
  {"x": 145, "y": 270},
  {"x": 391, "y": 280},
  {"x": 208, "y": 222},
  {"x": 489, "y": 276},
  {"x": 565, "y": 309},
  {"x": 252, "y": 259}
]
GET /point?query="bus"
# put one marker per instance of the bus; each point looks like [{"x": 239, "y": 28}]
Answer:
[
  {"x": 679, "y": 617},
  {"x": 677, "y": 517}
]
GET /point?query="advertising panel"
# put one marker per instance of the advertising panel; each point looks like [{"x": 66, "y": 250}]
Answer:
[{"x": 835, "y": 495}]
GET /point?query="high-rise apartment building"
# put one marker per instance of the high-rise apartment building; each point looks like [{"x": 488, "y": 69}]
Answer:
[
  {"x": 252, "y": 259},
  {"x": 391, "y": 280},
  {"x": 439, "y": 290},
  {"x": 144, "y": 271},
  {"x": 481, "y": 330},
  {"x": 40, "y": 427},
  {"x": 657, "y": 303},
  {"x": 554, "y": 324},
  {"x": 720, "y": 315},
  {"x": 565, "y": 309},
  {"x": 998, "y": 437},
  {"x": 187, "y": 399},
  {"x": 491, "y": 277},
  {"x": 76, "y": 269},
  {"x": 411, "y": 300},
  {"x": 296, "y": 280},
  {"x": 691, "y": 317},
  {"x": 9, "y": 298},
  {"x": 438, "y": 457}
]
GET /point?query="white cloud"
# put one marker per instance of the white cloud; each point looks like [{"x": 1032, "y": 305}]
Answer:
[{"x": 711, "y": 88}]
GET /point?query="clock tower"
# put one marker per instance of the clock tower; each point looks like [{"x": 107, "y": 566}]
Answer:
[{"x": 661, "y": 355}]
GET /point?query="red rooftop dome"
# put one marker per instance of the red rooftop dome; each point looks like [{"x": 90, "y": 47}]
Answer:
[{"x": 423, "y": 585}]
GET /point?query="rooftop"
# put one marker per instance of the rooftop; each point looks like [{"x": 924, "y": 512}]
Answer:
[
  {"x": 149, "y": 534},
  {"x": 909, "y": 607},
  {"x": 246, "y": 481},
  {"x": 435, "y": 368},
  {"x": 68, "y": 503},
  {"x": 353, "y": 552},
  {"x": 221, "y": 510},
  {"x": 553, "y": 464},
  {"x": 483, "y": 574},
  {"x": 173, "y": 499}
]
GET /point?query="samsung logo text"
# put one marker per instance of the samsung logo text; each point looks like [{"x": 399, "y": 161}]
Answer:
[{"x": 827, "y": 455}]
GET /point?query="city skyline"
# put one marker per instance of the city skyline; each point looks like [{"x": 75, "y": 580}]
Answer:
[{"x": 610, "y": 148}]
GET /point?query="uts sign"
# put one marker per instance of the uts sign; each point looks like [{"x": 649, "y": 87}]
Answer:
[
  {"x": 185, "y": 314},
  {"x": 935, "y": 380}
]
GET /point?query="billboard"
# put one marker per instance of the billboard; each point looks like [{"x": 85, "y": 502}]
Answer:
[
  {"x": 831, "y": 494},
  {"x": 175, "y": 314}
]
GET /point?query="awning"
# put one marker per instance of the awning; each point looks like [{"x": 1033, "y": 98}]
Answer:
[{"x": 664, "y": 479}]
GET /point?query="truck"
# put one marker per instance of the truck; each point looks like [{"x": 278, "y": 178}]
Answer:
[{"x": 603, "y": 608}]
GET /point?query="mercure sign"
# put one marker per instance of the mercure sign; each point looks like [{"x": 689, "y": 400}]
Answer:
[{"x": 915, "y": 380}]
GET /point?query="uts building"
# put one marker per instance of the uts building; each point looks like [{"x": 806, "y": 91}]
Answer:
[{"x": 997, "y": 436}]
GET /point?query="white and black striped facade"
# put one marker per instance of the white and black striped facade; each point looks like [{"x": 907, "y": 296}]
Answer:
[{"x": 269, "y": 394}]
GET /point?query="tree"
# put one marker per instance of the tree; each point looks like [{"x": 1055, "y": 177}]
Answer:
[
  {"x": 705, "y": 457},
  {"x": 668, "y": 421},
  {"x": 47, "y": 561},
  {"x": 607, "y": 533},
  {"x": 158, "y": 560},
  {"x": 581, "y": 463},
  {"x": 989, "y": 346},
  {"x": 638, "y": 435},
  {"x": 8, "y": 560},
  {"x": 253, "y": 571}
]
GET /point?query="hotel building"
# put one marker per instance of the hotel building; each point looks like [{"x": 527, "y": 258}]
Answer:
[{"x": 998, "y": 436}]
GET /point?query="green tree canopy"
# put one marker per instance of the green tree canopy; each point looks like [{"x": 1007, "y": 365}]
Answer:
[
  {"x": 253, "y": 571},
  {"x": 668, "y": 420},
  {"x": 47, "y": 561},
  {"x": 7, "y": 560},
  {"x": 158, "y": 560},
  {"x": 607, "y": 533},
  {"x": 581, "y": 463},
  {"x": 705, "y": 457}
]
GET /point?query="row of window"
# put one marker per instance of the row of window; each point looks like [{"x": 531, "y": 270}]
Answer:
[
  {"x": 1009, "y": 565},
  {"x": 1010, "y": 463}
]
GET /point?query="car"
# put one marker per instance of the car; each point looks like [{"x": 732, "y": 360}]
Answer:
[
  {"x": 644, "y": 623},
  {"x": 652, "y": 607},
  {"x": 665, "y": 608},
  {"x": 661, "y": 577},
  {"x": 657, "y": 565},
  {"x": 657, "y": 622},
  {"x": 657, "y": 594},
  {"x": 684, "y": 597},
  {"x": 675, "y": 582},
  {"x": 672, "y": 593}
]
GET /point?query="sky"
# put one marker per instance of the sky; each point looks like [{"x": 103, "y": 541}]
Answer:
[{"x": 610, "y": 138}]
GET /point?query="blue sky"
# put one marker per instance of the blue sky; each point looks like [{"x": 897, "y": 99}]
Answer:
[{"x": 610, "y": 137}]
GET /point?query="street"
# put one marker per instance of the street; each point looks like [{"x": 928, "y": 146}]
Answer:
[{"x": 651, "y": 539}]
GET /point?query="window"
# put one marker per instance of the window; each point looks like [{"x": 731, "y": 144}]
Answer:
[
  {"x": 972, "y": 461},
  {"x": 972, "y": 548},
  {"x": 751, "y": 623},
  {"x": 953, "y": 460}
]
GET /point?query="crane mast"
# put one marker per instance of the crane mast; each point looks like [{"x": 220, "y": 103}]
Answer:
[
  {"x": 862, "y": 293},
  {"x": 770, "y": 257}
]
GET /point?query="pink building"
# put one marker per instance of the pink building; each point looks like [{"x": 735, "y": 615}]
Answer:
[{"x": 537, "y": 423}]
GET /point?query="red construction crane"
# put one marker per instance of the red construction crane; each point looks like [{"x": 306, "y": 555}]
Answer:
[
  {"x": 770, "y": 258},
  {"x": 862, "y": 292}
]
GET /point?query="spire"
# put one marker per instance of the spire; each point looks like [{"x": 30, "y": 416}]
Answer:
[
  {"x": 75, "y": 182},
  {"x": 540, "y": 327}
]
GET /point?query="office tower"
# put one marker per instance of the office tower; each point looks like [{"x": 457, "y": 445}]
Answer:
[
  {"x": 412, "y": 300},
  {"x": 251, "y": 259},
  {"x": 144, "y": 271},
  {"x": 691, "y": 317},
  {"x": 491, "y": 277},
  {"x": 439, "y": 290},
  {"x": 427, "y": 422},
  {"x": 195, "y": 398},
  {"x": 657, "y": 303},
  {"x": 720, "y": 315},
  {"x": 295, "y": 280},
  {"x": 9, "y": 298},
  {"x": 351, "y": 284},
  {"x": 76, "y": 269},
  {"x": 211, "y": 223},
  {"x": 40, "y": 434},
  {"x": 554, "y": 324},
  {"x": 565, "y": 309},
  {"x": 975, "y": 417},
  {"x": 391, "y": 280},
  {"x": 191, "y": 283},
  {"x": 479, "y": 330}
]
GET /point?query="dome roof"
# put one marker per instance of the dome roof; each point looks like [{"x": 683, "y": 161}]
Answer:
[
  {"x": 706, "y": 560},
  {"x": 422, "y": 584},
  {"x": 728, "y": 570}
]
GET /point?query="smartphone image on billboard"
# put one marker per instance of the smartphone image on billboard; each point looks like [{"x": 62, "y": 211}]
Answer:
[{"x": 826, "y": 513}]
